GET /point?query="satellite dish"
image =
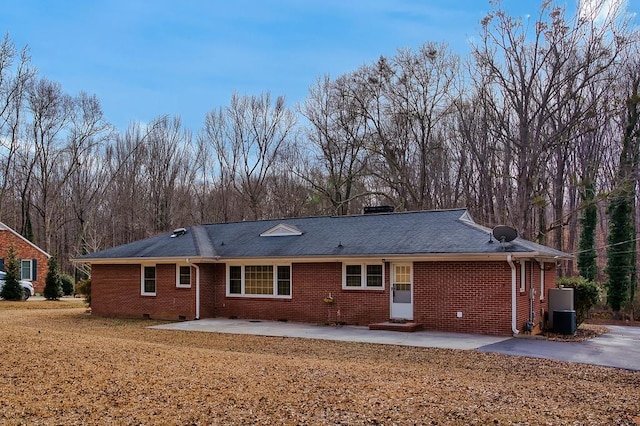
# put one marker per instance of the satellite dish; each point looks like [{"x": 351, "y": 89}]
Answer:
[{"x": 504, "y": 233}]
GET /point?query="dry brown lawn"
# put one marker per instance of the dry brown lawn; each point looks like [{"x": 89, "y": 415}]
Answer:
[{"x": 63, "y": 366}]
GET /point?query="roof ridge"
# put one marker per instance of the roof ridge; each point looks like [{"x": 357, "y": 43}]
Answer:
[{"x": 355, "y": 215}]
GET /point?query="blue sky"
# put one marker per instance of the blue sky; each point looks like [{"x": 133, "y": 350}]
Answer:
[{"x": 147, "y": 58}]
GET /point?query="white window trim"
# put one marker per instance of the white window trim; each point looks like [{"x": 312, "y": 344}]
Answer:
[
  {"x": 142, "y": 292},
  {"x": 363, "y": 276},
  {"x": 259, "y": 296},
  {"x": 178, "y": 266},
  {"x": 523, "y": 275},
  {"x": 30, "y": 277}
]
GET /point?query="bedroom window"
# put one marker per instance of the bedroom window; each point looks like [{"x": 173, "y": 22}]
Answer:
[
  {"x": 259, "y": 280},
  {"x": 183, "y": 276},
  {"x": 148, "y": 280},
  {"x": 363, "y": 276}
]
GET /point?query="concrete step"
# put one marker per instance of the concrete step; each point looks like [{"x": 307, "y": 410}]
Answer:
[{"x": 408, "y": 326}]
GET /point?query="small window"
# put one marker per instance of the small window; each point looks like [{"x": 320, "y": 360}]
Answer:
[
  {"x": 354, "y": 275},
  {"x": 374, "y": 275},
  {"x": 363, "y": 276},
  {"x": 284, "y": 281},
  {"x": 25, "y": 270},
  {"x": 235, "y": 279},
  {"x": 149, "y": 280},
  {"x": 183, "y": 278}
]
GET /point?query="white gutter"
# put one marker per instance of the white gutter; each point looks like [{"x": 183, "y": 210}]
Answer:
[
  {"x": 197, "y": 288},
  {"x": 514, "y": 320}
]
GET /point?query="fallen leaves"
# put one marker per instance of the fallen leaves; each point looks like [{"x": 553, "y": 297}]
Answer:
[{"x": 61, "y": 366}]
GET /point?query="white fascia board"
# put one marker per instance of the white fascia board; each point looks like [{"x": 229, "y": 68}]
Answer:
[
  {"x": 418, "y": 257},
  {"x": 146, "y": 260}
]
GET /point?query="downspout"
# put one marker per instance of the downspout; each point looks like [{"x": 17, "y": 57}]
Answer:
[
  {"x": 514, "y": 320},
  {"x": 197, "y": 288},
  {"x": 541, "y": 265}
]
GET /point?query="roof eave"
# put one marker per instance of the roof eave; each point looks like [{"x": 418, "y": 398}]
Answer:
[
  {"x": 457, "y": 257},
  {"x": 138, "y": 260}
]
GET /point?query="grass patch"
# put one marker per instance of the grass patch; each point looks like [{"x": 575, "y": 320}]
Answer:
[{"x": 63, "y": 366}]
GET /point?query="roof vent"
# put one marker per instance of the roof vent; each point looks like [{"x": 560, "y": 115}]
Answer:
[
  {"x": 378, "y": 209},
  {"x": 282, "y": 230},
  {"x": 178, "y": 232}
]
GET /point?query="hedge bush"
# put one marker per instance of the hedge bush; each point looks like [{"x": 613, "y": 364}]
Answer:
[
  {"x": 585, "y": 295},
  {"x": 84, "y": 287},
  {"x": 68, "y": 285}
]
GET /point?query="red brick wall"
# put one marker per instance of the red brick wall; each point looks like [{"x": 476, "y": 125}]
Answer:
[
  {"x": 115, "y": 292},
  {"x": 25, "y": 251},
  {"x": 480, "y": 290},
  {"x": 311, "y": 283},
  {"x": 211, "y": 279}
]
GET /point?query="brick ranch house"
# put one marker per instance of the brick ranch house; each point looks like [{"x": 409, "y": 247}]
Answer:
[
  {"x": 33, "y": 260},
  {"x": 438, "y": 269}
]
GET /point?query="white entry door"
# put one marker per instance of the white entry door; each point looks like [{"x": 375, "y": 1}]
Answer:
[{"x": 401, "y": 291}]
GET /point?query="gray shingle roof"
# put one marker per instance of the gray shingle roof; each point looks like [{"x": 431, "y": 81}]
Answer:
[{"x": 447, "y": 232}]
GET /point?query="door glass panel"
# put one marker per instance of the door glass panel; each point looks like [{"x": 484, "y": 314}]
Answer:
[{"x": 402, "y": 284}]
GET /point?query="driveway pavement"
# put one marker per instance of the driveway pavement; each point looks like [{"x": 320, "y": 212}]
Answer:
[{"x": 619, "y": 348}]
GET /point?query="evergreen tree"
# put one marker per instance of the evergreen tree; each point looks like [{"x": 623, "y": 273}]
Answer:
[
  {"x": 11, "y": 289},
  {"x": 587, "y": 253},
  {"x": 28, "y": 230},
  {"x": 621, "y": 248},
  {"x": 53, "y": 283},
  {"x": 621, "y": 256}
]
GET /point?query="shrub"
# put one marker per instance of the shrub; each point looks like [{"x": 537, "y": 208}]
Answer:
[
  {"x": 84, "y": 288},
  {"x": 633, "y": 307},
  {"x": 68, "y": 285},
  {"x": 585, "y": 295}
]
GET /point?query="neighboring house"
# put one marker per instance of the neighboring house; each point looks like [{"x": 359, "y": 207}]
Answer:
[
  {"x": 33, "y": 260},
  {"x": 438, "y": 269}
]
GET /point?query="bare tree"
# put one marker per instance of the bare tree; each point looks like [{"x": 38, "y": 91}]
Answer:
[
  {"x": 405, "y": 101},
  {"x": 13, "y": 84},
  {"x": 50, "y": 111},
  {"x": 488, "y": 186},
  {"x": 247, "y": 137},
  {"x": 337, "y": 132},
  {"x": 124, "y": 195},
  {"x": 88, "y": 178},
  {"x": 539, "y": 71},
  {"x": 169, "y": 171}
]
